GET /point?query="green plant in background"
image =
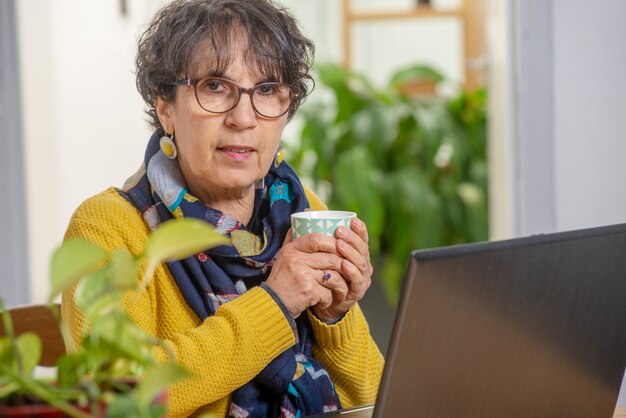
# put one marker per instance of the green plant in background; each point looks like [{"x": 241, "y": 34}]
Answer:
[
  {"x": 113, "y": 371},
  {"x": 413, "y": 169}
]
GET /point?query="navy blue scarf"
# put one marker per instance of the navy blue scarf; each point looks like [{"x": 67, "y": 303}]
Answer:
[{"x": 294, "y": 383}]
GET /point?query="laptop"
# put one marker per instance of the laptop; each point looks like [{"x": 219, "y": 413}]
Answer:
[{"x": 527, "y": 327}]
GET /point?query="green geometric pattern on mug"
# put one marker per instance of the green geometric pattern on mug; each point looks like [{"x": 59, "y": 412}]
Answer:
[{"x": 324, "y": 226}]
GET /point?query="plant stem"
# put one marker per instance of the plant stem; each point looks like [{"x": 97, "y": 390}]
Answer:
[{"x": 49, "y": 398}]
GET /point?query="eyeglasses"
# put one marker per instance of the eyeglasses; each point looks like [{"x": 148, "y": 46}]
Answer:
[{"x": 218, "y": 95}]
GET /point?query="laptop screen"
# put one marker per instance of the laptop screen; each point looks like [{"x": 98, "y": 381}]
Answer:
[{"x": 529, "y": 327}]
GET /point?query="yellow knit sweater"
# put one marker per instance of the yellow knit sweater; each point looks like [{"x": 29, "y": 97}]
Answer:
[{"x": 226, "y": 350}]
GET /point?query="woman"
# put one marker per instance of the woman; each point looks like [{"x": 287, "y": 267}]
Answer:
[{"x": 270, "y": 326}]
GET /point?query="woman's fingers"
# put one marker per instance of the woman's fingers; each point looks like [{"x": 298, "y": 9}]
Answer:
[
  {"x": 324, "y": 272},
  {"x": 356, "y": 267},
  {"x": 315, "y": 261},
  {"x": 360, "y": 228},
  {"x": 297, "y": 273},
  {"x": 358, "y": 259},
  {"x": 335, "y": 282},
  {"x": 358, "y": 283},
  {"x": 324, "y": 297},
  {"x": 327, "y": 287},
  {"x": 354, "y": 249},
  {"x": 315, "y": 242},
  {"x": 354, "y": 238}
]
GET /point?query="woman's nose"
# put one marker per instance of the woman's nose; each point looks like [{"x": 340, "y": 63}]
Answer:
[{"x": 243, "y": 114}]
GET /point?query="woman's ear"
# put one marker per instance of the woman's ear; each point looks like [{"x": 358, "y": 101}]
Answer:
[{"x": 165, "y": 112}]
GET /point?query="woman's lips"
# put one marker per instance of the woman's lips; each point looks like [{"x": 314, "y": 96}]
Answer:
[{"x": 237, "y": 153}]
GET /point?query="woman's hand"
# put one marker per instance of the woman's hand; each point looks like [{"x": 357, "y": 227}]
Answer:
[
  {"x": 354, "y": 276},
  {"x": 297, "y": 276}
]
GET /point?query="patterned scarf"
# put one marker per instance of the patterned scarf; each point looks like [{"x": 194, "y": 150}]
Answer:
[{"x": 294, "y": 384}]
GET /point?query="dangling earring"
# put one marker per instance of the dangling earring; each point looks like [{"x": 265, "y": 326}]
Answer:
[
  {"x": 168, "y": 147},
  {"x": 280, "y": 155}
]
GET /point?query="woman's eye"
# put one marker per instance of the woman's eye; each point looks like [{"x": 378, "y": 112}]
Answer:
[
  {"x": 266, "y": 89},
  {"x": 213, "y": 85}
]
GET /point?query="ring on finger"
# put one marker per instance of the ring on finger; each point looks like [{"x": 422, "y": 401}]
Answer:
[{"x": 325, "y": 278}]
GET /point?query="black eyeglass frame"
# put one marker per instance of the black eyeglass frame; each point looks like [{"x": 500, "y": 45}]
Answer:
[{"x": 193, "y": 82}]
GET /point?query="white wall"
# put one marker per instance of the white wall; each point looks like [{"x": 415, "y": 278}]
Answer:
[
  {"x": 39, "y": 133},
  {"x": 565, "y": 136},
  {"x": 83, "y": 124},
  {"x": 560, "y": 124},
  {"x": 381, "y": 47},
  {"x": 589, "y": 112},
  {"x": 437, "y": 42},
  {"x": 500, "y": 108}
]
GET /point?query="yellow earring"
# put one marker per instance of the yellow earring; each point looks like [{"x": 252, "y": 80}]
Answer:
[
  {"x": 280, "y": 155},
  {"x": 168, "y": 147}
]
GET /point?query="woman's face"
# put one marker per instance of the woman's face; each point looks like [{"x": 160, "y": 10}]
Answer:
[{"x": 222, "y": 154}]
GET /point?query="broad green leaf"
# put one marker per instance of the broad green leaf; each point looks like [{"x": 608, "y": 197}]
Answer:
[
  {"x": 120, "y": 337},
  {"x": 72, "y": 260},
  {"x": 94, "y": 286},
  {"x": 159, "y": 410},
  {"x": 415, "y": 73},
  {"x": 416, "y": 211},
  {"x": 29, "y": 348},
  {"x": 66, "y": 371},
  {"x": 377, "y": 128},
  {"x": 392, "y": 275},
  {"x": 124, "y": 406},
  {"x": 358, "y": 188},
  {"x": 475, "y": 211},
  {"x": 181, "y": 238},
  {"x": 103, "y": 305},
  {"x": 124, "y": 269},
  {"x": 159, "y": 377},
  {"x": 352, "y": 91},
  {"x": 6, "y": 351},
  {"x": 7, "y": 388},
  {"x": 7, "y": 321}
]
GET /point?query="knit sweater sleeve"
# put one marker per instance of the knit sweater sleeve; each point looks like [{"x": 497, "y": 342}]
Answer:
[
  {"x": 223, "y": 352},
  {"x": 347, "y": 349},
  {"x": 351, "y": 357}
]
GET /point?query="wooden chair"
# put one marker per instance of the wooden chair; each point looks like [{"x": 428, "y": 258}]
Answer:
[{"x": 41, "y": 320}]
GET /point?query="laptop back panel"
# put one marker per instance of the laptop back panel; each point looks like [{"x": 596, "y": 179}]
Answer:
[{"x": 529, "y": 327}]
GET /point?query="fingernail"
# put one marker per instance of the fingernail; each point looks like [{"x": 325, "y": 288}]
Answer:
[{"x": 341, "y": 231}]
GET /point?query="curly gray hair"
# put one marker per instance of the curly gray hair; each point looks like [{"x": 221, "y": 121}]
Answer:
[{"x": 168, "y": 49}]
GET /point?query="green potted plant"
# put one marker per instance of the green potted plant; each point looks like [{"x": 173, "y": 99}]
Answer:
[
  {"x": 413, "y": 168},
  {"x": 112, "y": 371}
]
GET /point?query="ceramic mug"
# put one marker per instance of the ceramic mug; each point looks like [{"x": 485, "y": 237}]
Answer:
[{"x": 322, "y": 221}]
